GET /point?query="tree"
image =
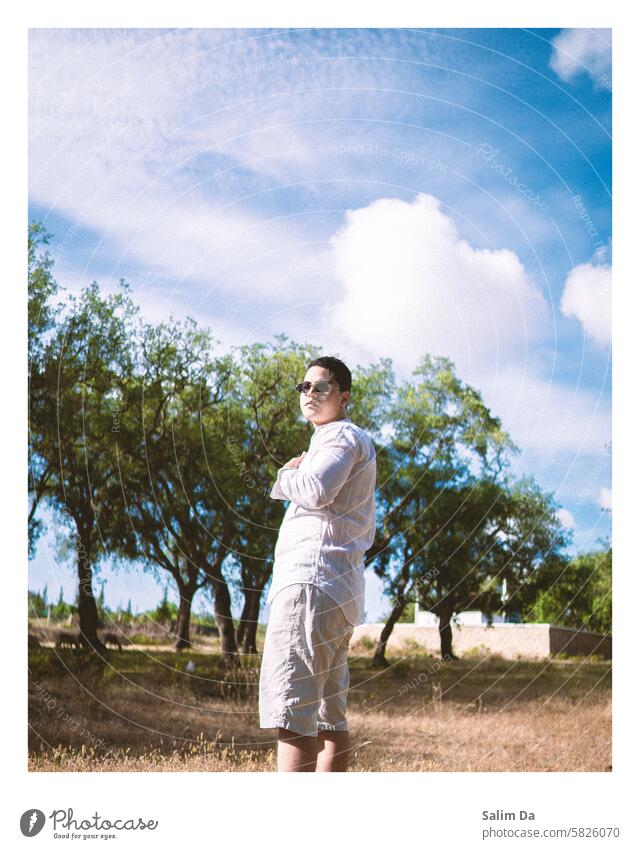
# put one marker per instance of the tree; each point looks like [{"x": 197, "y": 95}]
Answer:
[
  {"x": 165, "y": 611},
  {"x": 439, "y": 496},
  {"x": 86, "y": 364},
  {"x": 274, "y": 430},
  {"x": 42, "y": 312},
  {"x": 176, "y": 470},
  {"x": 497, "y": 532},
  {"x": 37, "y": 605},
  {"x": 575, "y": 594},
  {"x": 61, "y": 610},
  {"x": 269, "y": 432}
]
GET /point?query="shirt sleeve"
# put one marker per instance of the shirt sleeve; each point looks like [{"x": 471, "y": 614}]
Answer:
[
  {"x": 327, "y": 469},
  {"x": 276, "y": 491}
]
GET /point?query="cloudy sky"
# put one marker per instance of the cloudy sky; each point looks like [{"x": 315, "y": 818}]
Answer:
[{"x": 375, "y": 192}]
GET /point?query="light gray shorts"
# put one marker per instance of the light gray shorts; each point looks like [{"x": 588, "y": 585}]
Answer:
[{"x": 304, "y": 677}]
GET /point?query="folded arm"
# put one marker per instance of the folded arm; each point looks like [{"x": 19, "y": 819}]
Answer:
[{"x": 328, "y": 467}]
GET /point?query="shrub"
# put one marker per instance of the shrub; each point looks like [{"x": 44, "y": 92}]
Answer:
[
  {"x": 362, "y": 645},
  {"x": 144, "y": 640}
]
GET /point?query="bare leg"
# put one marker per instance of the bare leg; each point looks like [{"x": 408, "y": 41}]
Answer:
[
  {"x": 333, "y": 751},
  {"x": 296, "y": 752}
]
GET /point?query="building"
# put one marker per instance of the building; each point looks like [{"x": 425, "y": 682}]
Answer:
[{"x": 510, "y": 639}]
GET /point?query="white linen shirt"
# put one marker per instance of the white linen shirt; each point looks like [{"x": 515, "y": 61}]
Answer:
[{"x": 330, "y": 521}]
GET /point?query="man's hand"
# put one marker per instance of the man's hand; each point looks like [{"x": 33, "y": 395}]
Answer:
[{"x": 294, "y": 462}]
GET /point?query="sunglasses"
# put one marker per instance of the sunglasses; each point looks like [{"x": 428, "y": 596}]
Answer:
[{"x": 322, "y": 386}]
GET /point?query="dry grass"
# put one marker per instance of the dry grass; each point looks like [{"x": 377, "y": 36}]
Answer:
[{"x": 143, "y": 712}]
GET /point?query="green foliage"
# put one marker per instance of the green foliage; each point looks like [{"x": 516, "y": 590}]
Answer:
[
  {"x": 362, "y": 645},
  {"x": 165, "y": 612},
  {"x": 174, "y": 463},
  {"x": 144, "y": 640},
  {"x": 82, "y": 366},
  {"x": 408, "y": 614},
  {"x": 453, "y": 524},
  {"x": 576, "y": 594},
  {"x": 155, "y": 449},
  {"x": 42, "y": 288},
  {"x": 204, "y": 619},
  {"x": 61, "y": 610},
  {"x": 37, "y": 605}
]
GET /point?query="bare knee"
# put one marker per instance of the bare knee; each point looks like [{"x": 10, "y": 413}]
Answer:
[
  {"x": 333, "y": 751},
  {"x": 296, "y": 752}
]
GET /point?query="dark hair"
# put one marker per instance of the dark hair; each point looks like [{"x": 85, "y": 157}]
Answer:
[{"x": 338, "y": 370}]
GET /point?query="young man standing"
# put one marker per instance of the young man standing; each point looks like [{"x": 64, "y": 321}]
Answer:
[{"x": 317, "y": 589}]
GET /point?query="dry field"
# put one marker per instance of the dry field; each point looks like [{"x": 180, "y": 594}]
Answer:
[{"x": 143, "y": 711}]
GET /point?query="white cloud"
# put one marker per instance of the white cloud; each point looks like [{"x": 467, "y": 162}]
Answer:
[
  {"x": 129, "y": 129},
  {"x": 605, "y": 498},
  {"x": 413, "y": 285},
  {"x": 112, "y": 120},
  {"x": 587, "y": 297},
  {"x": 583, "y": 50},
  {"x": 567, "y": 520}
]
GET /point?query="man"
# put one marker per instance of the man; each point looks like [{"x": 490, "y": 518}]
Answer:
[{"x": 317, "y": 589}]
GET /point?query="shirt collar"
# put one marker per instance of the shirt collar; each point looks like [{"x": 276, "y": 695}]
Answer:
[{"x": 326, "y": 424}]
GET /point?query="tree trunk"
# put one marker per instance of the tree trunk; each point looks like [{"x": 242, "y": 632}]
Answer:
[
  {"x": 223, "y": 617},
  {"x": 379, "y": 660},
  {"x": 250, "y": 644},
  {"x": 446, "y": 635},
  {"x": 87, "y": 607},
  {"x": 248, "y": 627},
  {"x": 186, "y": 593}
]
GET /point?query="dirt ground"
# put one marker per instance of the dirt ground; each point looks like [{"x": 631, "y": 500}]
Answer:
[{"x": 142, "y": 710}]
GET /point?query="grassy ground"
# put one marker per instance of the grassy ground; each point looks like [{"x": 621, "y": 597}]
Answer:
[{"x": 142, "y": 711}]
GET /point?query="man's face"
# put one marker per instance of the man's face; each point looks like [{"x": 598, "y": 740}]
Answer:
[{"x": 321, "y": 408}]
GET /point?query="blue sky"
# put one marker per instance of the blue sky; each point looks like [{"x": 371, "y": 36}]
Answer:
[{"x": 376, "y": 192}]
